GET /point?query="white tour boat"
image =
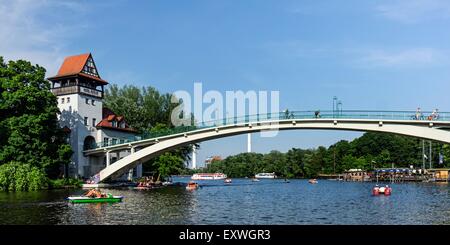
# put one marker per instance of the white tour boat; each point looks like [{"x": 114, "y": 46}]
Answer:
[
  {"x": 265, "y": 176},
  {"x": 209, "y": 176}
]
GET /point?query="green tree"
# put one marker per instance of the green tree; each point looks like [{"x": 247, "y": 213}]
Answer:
[
  {"x": 29, "y": 129},
  {"x": 143, "y": 108},
  {"x": 149, "y": 112},
  {"x": 22, "y": 177},
  {"x": 167, "y": 164}
]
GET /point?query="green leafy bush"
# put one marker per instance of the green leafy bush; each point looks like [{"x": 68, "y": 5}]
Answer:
[
  {"x": 22, "y": 177},
  {"x": 61, "y": 183}
]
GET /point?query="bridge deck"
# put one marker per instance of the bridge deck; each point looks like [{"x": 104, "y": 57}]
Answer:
[{"x": 402, "y": 117}]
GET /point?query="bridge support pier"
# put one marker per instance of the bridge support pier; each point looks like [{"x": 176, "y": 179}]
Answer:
[
  {"x": 194, "y": 156},
  {"x": 131, "y": 171},
  {"x": 108, "y": 158},
  {"x": 249, "y": 143}
]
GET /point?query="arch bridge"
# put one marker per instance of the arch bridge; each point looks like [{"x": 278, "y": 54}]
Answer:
[{"x": 147, "y": 146}]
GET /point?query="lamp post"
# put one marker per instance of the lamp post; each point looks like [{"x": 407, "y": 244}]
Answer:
[
  {"x": 334, "y": 104},
  {"x": 339, "y": 107}
]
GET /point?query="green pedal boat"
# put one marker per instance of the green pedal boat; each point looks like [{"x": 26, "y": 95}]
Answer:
[{"x": 83, "y": 199}]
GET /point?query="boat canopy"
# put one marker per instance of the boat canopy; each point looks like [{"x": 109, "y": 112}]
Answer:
[{"x": 393, "y": 170}]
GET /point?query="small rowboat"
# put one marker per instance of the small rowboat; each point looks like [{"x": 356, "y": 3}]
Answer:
[
  {"x": 83, "y": 199},
  {"x": 192, "y": 186}
]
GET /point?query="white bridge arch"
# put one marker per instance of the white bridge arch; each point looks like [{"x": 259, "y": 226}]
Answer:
[{"x": 437, "y": 130}]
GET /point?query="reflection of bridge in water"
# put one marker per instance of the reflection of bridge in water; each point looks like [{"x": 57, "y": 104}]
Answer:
[{"x": 147, "y": 146}]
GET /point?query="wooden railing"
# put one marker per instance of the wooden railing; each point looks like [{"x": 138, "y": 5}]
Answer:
[{"x": 77, "y": 89}]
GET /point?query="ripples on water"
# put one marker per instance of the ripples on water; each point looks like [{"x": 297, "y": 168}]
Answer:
[{"x": 241, "y": 202}]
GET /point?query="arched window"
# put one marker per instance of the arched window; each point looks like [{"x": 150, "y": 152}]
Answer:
[{"x": 89, "y": 143}]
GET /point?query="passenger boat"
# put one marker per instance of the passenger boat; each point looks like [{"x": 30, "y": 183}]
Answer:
[
  {"x": 191, "y": 186},
  {"x": 313, "y": 181},
  {"x": 84, "y": 199},
  {"x": 209, "y": 176},
  {"x": 227, "y": 181},
  {"x": 265, "y": 176}
]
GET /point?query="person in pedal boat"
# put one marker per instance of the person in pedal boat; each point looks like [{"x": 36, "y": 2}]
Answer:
[{"x": 95, "y": 193}]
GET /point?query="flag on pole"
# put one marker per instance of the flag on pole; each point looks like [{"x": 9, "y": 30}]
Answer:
[{"x": 425, "y": 156}]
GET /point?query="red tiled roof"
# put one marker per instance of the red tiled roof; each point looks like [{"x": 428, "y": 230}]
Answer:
[
  {"x": 73, "y": 65},
  {"x": 108, "y": 117}
]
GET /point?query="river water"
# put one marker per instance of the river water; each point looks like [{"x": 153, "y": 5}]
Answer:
[{"x": 241, "y": 202}]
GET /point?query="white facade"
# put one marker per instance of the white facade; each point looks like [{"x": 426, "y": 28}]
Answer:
[
  {"x": 74, "y": 114},
  {"x": 81, "y": 113}
]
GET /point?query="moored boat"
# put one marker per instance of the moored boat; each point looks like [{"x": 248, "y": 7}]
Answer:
[
  {"x": 84, "y": 199},
  {"x": 227, "y": 181}
]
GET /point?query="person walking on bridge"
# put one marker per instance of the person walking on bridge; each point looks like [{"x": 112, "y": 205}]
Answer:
[
  {"x": 435, "y": 114},
  {"x": 418, "y": 114},
  {"x": 317, "y": 114}
]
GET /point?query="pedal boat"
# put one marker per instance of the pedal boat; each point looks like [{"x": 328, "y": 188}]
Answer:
[{"x": 83, "y": 199}]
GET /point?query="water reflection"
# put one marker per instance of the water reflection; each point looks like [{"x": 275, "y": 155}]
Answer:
[{"x": 241, "y": 202}]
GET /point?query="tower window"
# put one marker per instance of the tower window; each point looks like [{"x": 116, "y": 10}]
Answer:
[
  {"x": 106, "y": 141},
  {"x": 85, "y": 121},
  {"x": 68, "y": 99},
  {"x": 114, "y": 141},
  {"x": 93, "y": 122},
  {"x": 93, "y": 102},
  {"x": 62, "y": 100},
  {"x": 87, "y": 101}
]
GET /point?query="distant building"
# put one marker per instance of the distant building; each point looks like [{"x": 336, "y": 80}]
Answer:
[
  {"x": 80, "y": 89},
  {"x": 211, "y": 159},
  {"x": 439, "y": 174},
  {"x": 356, "y": 175}
]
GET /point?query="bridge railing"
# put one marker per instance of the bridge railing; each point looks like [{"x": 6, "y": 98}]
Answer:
[{"x": 286, "y": 115}]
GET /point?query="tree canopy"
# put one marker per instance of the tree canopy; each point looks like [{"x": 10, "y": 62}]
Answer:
[
  {"x": 29, "y": 129},
  {"x": 148, "y": 110}
]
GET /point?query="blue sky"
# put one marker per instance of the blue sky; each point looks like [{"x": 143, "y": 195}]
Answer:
[{"x": 379, "y": 55}]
